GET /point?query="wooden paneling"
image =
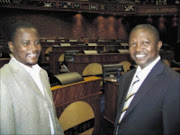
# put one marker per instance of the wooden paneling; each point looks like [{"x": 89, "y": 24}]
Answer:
[
  {"x": 111, "y": 91},
  {"x": 157, "y": 10},
  {"x": 82, "y": 60},
  {"x": 57, "y": 51},
  {"x": 106, "y": 8},
  {"x": 87, "y": 91}
]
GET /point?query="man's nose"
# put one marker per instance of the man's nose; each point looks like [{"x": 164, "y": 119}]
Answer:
[
  {"x": 138, "y": 47},
  {"x": 33, "y": 46}
]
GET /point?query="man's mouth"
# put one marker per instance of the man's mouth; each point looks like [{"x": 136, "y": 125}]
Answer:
[
  {"x": 32, "y": 55},
  {"x": 140, "y": 55}
]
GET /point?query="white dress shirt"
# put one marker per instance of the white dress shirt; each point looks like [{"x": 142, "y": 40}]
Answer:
[{"x": 143, "y": 73}]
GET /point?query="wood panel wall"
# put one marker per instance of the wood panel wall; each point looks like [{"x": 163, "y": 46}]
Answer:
[
  {"x": 53, "y": 24},
  {"x": 69, "y": 25}
]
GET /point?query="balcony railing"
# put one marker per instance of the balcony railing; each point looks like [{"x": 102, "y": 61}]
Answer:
[{"x": 116, "y": 7}]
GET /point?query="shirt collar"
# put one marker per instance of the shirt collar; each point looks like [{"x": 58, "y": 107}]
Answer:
[
  {"x": 35, "y": 67},
  {"x": 145, "y": 71}
]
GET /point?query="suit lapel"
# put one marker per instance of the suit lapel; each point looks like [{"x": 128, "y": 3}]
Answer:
[
  {"x": 147, "y": 85},
  {"x": 123, "y": 91},
  {"x": 126, "y": 87},
  {"x": 46, "y": 85},
  {"x": 47, "y": 94},
  {"x": 24, "y": 79}
]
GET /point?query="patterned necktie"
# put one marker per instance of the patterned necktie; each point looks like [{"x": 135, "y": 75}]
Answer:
[{"x": 129, "y": 97}]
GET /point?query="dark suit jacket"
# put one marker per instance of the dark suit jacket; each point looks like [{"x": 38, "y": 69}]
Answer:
[{"x": 155, "y": 109}]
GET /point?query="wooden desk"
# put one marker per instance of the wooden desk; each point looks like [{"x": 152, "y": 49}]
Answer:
[
  {"x": 58, "y": 51},
  {"x": 42, "y": 57},
  {"x": 111, "y": 91},
  {"x": 82, "y": 60},
  {"x": 3, "y": 61},
  {"x": 62, "y": 49},
  {"x": 57, "y": 48},
  {"x": 87, "y": 91}
]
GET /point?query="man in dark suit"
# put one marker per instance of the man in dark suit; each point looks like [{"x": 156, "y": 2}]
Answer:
[{"x": 153, "y": 105}]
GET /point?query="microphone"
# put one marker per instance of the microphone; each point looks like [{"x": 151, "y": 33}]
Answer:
[{"x": 118, "y": 74}]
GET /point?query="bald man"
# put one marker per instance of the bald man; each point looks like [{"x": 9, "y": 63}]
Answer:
[{"x": 149, "y": 95}]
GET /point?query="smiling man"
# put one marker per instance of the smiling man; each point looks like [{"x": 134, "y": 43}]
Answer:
[
  {"x": 144, "y": 45},
  {"x": 25, "y": 46},
  {"x": 149, "y": 95},
  {"x": 26, "y": 104}
]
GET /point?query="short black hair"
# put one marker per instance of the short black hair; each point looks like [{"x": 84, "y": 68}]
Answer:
[
  {"x": 18, "y": 25},
  {"x": 149, "y": 27}
]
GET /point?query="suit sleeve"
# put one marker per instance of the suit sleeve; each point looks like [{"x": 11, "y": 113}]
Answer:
[
  {"x": 171, "y": 109},
  {"x": 7, "y": 122},
  {"x": 59, "y": 129}
]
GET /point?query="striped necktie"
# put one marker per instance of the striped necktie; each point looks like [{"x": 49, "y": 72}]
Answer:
[{"x": 129, "y": 97}]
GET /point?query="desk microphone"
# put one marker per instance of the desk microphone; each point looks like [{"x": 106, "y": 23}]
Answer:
[{"x": 118, "y": 74}]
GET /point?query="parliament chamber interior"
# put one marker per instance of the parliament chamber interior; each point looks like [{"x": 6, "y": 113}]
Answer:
[{"x": 85, "y": 50}]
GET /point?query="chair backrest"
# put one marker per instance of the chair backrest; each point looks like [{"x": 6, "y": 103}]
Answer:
[
  {"x": 110, "y": 71},
  {"x": 78, "y": 118},
  {"x": 48, "y": 50},
  {"x": 126, "y": 65},
  {"x": 61, "y": 57},
  {"x": 177, "y": 69},
  {"x": 62, "y": 66},
  {"x": 166, "y": 62},
  {"x": 92, "y": 69}
]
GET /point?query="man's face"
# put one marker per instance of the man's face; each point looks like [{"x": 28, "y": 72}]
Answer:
[
  {"x": 26, "y": 47},
  {"x": 143, "y": 47}
]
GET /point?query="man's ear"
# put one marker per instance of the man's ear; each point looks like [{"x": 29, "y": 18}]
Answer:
[
  {"x": 159, "y": 45},
  {"x": 11, "y": 46}
]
